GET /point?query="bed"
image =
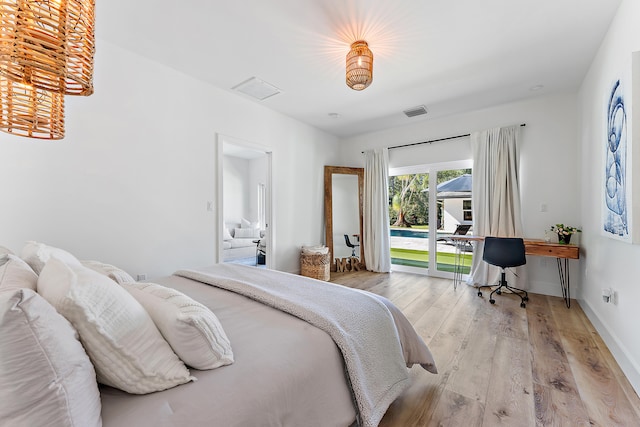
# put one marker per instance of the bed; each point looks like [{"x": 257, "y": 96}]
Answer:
[
  {"x": 286, "y": 371},
  {"x": 306, "y": 353}
]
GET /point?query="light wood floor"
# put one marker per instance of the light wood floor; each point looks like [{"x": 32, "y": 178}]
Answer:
[{"x": 502, "y": 365}]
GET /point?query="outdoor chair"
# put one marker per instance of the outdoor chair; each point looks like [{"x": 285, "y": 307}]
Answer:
[
  {"x": 461, "y": 230},
  {"x": 504, "y": 252}
]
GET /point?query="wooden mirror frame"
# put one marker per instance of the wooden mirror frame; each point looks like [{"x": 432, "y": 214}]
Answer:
[{"x": 328, "y": 206}]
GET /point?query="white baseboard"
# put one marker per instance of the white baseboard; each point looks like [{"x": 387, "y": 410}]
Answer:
[{"x": 620, "y": 353}]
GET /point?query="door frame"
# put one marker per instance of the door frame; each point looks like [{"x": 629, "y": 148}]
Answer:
[
  {"x": 270, "y": 234},
  {"x": 432, "y": 169}
]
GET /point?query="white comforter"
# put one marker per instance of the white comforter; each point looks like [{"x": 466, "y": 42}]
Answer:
[{"x": 360, "y": 323}]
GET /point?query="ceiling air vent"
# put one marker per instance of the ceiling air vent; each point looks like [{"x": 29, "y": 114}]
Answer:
[
  {"x": 257, "y": 88},
  {"x": 415, "y": 111}
]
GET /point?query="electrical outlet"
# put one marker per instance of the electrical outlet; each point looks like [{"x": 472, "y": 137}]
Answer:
[
  {"x": 141, "y": 277},
  {"x": 543, "y": 207}
]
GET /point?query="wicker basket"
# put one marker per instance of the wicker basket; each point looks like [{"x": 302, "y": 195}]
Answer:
[{"x": 315, "y": 266}]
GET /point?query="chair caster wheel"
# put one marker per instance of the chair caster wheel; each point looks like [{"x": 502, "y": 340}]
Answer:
[
  {"x": 523, "y": 305},
  {"x": 526, "y": 298},
  {"x": 499, "y": 292},
  {"x": 492, "y": 301},
  {"x": 479, "y": 293}
]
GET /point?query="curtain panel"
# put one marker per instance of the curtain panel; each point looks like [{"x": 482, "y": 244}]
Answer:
[
  {"x": 376, "y": 211},
  {"x": 496, "y": 196}
]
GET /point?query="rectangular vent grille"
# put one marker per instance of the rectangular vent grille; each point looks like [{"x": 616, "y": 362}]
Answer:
[
  {"x": 416, "y": 111},
  {"x": 257, "y": 88}
]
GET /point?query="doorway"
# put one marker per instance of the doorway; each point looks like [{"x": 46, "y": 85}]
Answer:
[
  {"x": 245, "y": 220},
  {"x": 427, "y": 205}
]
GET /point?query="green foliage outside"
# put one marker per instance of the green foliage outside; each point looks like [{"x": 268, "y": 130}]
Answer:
[{"x": 409, "y": 197}]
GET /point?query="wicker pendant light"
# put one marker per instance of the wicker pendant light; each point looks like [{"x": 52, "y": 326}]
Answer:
[
  {"x": 359, "y": 66},
  {"x": 30, "y": 112},
  {"x": 48, "y": 44}
]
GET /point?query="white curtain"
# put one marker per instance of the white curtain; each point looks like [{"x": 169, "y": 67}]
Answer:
[
  {"x": 496, "y": 196},
  {"x": 376, "y": 211}
]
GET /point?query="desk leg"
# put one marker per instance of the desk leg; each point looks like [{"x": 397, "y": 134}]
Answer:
[
  {"x": 458, "y": 264},
  {"x": 563, "y": 271}
]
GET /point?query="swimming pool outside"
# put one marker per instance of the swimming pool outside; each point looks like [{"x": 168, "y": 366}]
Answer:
[
  {"x": 406, "y": 232},
  {"x": 411, "y": 247}
]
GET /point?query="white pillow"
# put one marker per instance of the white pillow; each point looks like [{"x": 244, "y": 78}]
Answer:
[
  {"x": 37, "y": 254},
  {"x": 112, "y": 272},
  {"x": 192, "y": 330},
  {"x": 15, "y": 273},
  {"x": 246, "y": 233},
  {"x": 245, "y": 223},
  {"x": 124, "y": 345},
  {"x": 46, "y": 376},
  {"x": 226, "y": 234}
]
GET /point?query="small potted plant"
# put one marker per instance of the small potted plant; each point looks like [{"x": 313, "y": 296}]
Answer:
[{"x": 564, "y": 232}]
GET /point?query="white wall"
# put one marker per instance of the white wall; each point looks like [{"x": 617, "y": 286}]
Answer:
[
  {"x": 548, "y": 168},
  {"x": 608, "y": 262},
  {"x": 236, "y": 192},
  {"x": 257, "y": 175},
  {"x": 453, "y": 215},
  {"x": 129, "y": 184}
]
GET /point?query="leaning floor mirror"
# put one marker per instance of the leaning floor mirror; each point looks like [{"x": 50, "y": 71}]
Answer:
[{"x": 343, "y": 194}]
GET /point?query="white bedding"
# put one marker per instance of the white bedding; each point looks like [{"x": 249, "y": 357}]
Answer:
[
  {"x": 360, "y": 324},
  {"x": 286, "y": 373}
]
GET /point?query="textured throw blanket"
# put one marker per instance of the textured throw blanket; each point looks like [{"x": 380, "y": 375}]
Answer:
[{"x": 360, "y": 324}]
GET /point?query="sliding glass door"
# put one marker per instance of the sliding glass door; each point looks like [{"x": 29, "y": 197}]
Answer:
[{"x": 423, "y": 217}]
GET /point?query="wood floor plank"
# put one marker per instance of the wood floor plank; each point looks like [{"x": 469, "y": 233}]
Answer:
[
  {"x": 471, "y": 370},
  {"x": 415, "y": 406},
  {"x": 546, "y": 364},
  {"x": 609, "y": 405},
  {"x": 423, "y": 302},
  {"x": 556, "y": 408},
  {"x": 510, "y": 398},
  {"x": 455, "y": 410}
]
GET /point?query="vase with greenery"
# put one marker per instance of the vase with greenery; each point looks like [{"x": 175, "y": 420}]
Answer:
[{"x": 564, "y": 232}]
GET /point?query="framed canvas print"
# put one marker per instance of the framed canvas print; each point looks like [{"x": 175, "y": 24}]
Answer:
[{"x": 621, "y": 152}]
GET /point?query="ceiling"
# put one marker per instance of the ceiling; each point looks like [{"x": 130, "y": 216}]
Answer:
[{"x": 451, "y": 56}]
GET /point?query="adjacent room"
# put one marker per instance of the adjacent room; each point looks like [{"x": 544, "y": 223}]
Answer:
[{"x": 295, "y": 203}]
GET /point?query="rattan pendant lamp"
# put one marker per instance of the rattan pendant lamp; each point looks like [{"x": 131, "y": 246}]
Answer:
[
  {"x": 31, "y": 112},
  {"x": 359, "y": 66},
  {"x": 46, "y": 51}
]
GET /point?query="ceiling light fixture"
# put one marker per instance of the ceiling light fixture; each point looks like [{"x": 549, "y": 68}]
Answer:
[
  {"x": 48, "y": 44},
  {"x": 31, "y": 112},
  {"x": 46, "y": 51},
  {"x": 359, "y": 66}
]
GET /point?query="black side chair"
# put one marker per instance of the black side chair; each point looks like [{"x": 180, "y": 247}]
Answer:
[
  {"x": 353, "y": 246},
  {"x": 505, "y": 252}
]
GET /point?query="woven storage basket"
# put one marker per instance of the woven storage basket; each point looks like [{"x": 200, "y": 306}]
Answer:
[{"x": 315, "y": 266}]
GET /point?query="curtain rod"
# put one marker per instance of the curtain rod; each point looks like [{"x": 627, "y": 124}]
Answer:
[{"x": 435, "y": 140}]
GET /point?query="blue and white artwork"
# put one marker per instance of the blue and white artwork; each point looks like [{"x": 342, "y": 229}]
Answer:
[{"x": 616, "y": 186}]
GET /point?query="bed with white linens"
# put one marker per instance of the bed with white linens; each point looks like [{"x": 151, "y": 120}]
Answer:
[{"x": 305, "y": 352}]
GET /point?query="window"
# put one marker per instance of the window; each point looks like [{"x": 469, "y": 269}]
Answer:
[{"x": 466, "y": 210}]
